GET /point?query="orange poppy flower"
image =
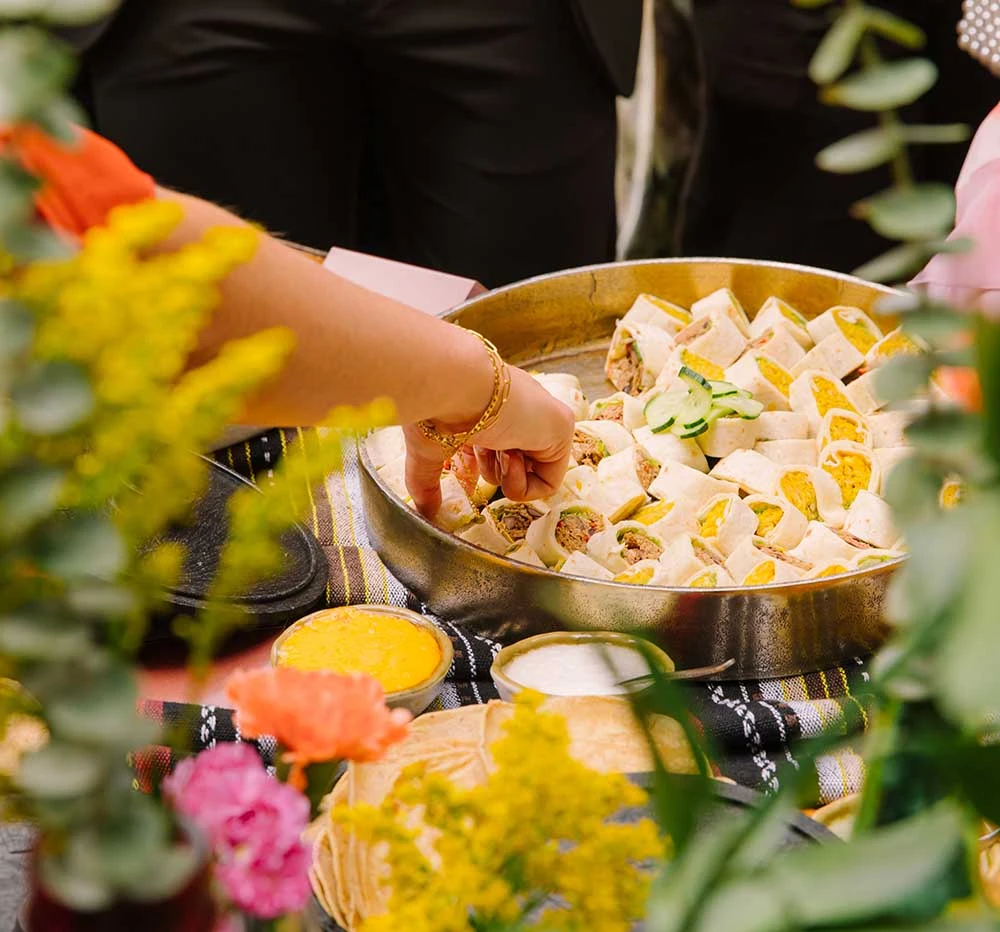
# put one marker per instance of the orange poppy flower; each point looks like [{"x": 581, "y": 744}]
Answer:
[
  {"x": 316, "y": 716},
  {"x": 962, "y": 386}
]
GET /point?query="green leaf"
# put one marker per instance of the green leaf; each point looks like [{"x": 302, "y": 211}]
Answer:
[
  {"x": 174, "y": 868},
  {"x": 965, "y": 672},
  {"x": 83, "y": 890},
  {"x": 41, "y": 637},
  {"x": 895, "y": 28},
  {"x": 919, "y": 212},
  {"x": 17, "y": 192},
  {"x": 17, "y": 325},
  {"x": 838, "y": 47},
  {"x": 60, "y": 771},
  {"x": 898, "y": 264},
  {"x": 937, "y": 568},
  {"x": 27, "y": 495},
  {"x": 78, "y": 546},
  {"x": 52, "y": 397},
  {"x": 60, "y": 119},
  {"x": 946, "y": 133},
  {"x": 101, "y": 711},
  {"x": 811, "y": 4},
  {"x": 872, "y": 877},
  {"x": 903, "y": 377},
  {"x": 937, "y": 325},
  {"x": 36, "y": 243},
  {"x": 33, "y": 70},
  {"x": 948, "y": 434},
  {"x": 860, "y": 152},
  {"x": 883, "y": 87},
  {"x": 101, "y": 598}
]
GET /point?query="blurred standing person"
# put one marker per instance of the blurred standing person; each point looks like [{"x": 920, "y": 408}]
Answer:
[
  {"x": 472, "y": 136},
  {"x": 755, "y": 190}
]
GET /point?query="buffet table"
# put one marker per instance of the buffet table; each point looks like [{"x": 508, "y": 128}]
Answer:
[{"x": 755, "y": 727}]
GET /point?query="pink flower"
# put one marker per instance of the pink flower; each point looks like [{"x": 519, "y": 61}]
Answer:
[{"x": 254, "y": 823}]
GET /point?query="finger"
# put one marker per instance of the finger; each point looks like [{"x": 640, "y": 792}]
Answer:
[
  {"x": 543, "y": 479},
  {"x": 470, "y": 465},
  {"x": 423, "y": 480},
  {"x": 514, "y": 476},
  {"x": 489, "y": 468}
]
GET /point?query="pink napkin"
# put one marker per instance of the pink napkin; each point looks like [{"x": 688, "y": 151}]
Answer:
[{"x": 972, "y": 279}]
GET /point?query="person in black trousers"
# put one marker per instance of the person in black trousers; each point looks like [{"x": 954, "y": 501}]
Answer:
[
  {"x": 755, "y": 191},
  {"x": 473, "y": 136}
]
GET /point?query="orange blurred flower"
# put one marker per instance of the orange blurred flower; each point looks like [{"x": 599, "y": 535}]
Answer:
[
  {"x": 316, "y": 716},
  {"x": 962, "y": 386}
]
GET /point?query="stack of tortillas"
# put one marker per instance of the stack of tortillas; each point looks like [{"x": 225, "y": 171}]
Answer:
[{"x": 348, "y": 876}]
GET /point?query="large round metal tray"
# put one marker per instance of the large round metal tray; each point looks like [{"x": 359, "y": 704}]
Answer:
[{"x": 563, "y": 322}]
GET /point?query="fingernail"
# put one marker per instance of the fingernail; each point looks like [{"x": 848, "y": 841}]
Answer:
[{"x": 504, "y": 460}]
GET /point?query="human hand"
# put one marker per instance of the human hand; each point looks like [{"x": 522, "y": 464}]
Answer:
[{"x": 525, "y": 451}]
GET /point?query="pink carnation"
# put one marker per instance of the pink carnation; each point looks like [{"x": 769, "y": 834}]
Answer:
[{"x": 254, "y": 823}]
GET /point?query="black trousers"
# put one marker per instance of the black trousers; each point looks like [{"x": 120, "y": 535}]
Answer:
[
  {"x": 473, "y": 136},
  {"x": 756, "y": 191}
]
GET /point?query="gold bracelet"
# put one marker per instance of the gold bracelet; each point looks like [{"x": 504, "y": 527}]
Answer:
[{"x": 501, "y": 392}]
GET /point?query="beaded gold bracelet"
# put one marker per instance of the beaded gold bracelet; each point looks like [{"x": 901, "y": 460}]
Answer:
[{"x": 501, "y": 392}]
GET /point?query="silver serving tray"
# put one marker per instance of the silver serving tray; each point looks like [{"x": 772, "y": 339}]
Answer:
[{"x": 562, "y": 323}]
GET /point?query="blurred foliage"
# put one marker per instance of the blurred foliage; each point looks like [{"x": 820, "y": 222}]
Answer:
[
  {"x": 100, "y": 423},
  {"x": 851, "y": 72}
]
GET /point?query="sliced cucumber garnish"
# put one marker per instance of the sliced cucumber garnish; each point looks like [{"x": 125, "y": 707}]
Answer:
[
  {"x": 695, "y": 379},
  {"x": 747, "y": 408},
  {"x": 724, "y": 389},
  {"x": 661, "y": 412},
  {"x": 692, "y": 430}
]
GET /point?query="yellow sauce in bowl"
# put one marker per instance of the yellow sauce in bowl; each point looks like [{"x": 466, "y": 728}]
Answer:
[{"x": 390, "y": 649}]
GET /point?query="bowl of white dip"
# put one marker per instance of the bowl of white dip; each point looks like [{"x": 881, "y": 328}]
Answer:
[{"x": 575, "y": 663}]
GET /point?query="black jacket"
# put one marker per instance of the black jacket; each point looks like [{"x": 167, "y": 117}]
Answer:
[{"x": 611, "y": 29}]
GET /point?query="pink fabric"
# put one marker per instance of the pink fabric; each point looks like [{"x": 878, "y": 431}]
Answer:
[{"x": 972, "y": 279}]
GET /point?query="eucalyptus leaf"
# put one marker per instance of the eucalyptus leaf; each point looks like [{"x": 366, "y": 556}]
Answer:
[
  {"x": 78, "y": 546},
  {"x": 873, "y": 876},
  {"x": 883, "y": 87},
  {"x": 52, "y": 397},
  {"x": 965, "y": 674},
  {"x": 27, "y": 495},
  {"x": 739, "y": 905},
  {"x": 902, "y": 377},
  {"x": 898, "y": 264},
  {"x": 79, "y": 890},
  {"x": 36, "y": 243},
  {"x": 61, "y": 118},
  {"x": 175, "y": 867},
  {"x": 918, "y": 212},
  {"x": 950, "y": 432},
  {"x": 838, "y": 47},
  {"x": 937, "y": 325},
  {"x": 101, "y": 710},
  {"x": 32, "y": 71},
  {"x": 17, "y": 193},
  {"x": 60, "y": 770},
  {"x": 127, "y": 844},
  {"x": 895, "y": 28},
  {"x": 108, "y": 601},
  {"x": 861, "y": 151},
  {"x": 37, "y": 637},
  {"x": 976, "y": 769},
  {"x": 940, "y": 556},
  {"x": 17, "y": 324},
  {"x": 944, "y": 133}
]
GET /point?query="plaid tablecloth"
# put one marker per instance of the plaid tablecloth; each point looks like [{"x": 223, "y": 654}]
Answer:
[{"x": 755, "y": 726}]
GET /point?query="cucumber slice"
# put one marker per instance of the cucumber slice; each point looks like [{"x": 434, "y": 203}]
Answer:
[
  {"x": 692, "y": 430},
  {"x": 724, "y": 389},
  {"x": 662, "y": 411},
  {"x": 747, "y": 408},
  {"x": 694, "y": 379}
]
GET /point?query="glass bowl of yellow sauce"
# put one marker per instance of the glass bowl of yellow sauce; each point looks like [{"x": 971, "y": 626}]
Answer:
[{"x": 407, "y": 654}]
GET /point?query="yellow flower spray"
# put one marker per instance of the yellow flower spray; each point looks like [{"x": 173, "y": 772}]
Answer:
[{"x": 521, "y": 850}]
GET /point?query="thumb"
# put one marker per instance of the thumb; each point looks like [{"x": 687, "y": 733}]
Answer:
[{"x": 424, "y": 462}]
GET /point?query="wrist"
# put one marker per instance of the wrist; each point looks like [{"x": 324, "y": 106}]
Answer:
[{"x": 471, "y": 387}]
